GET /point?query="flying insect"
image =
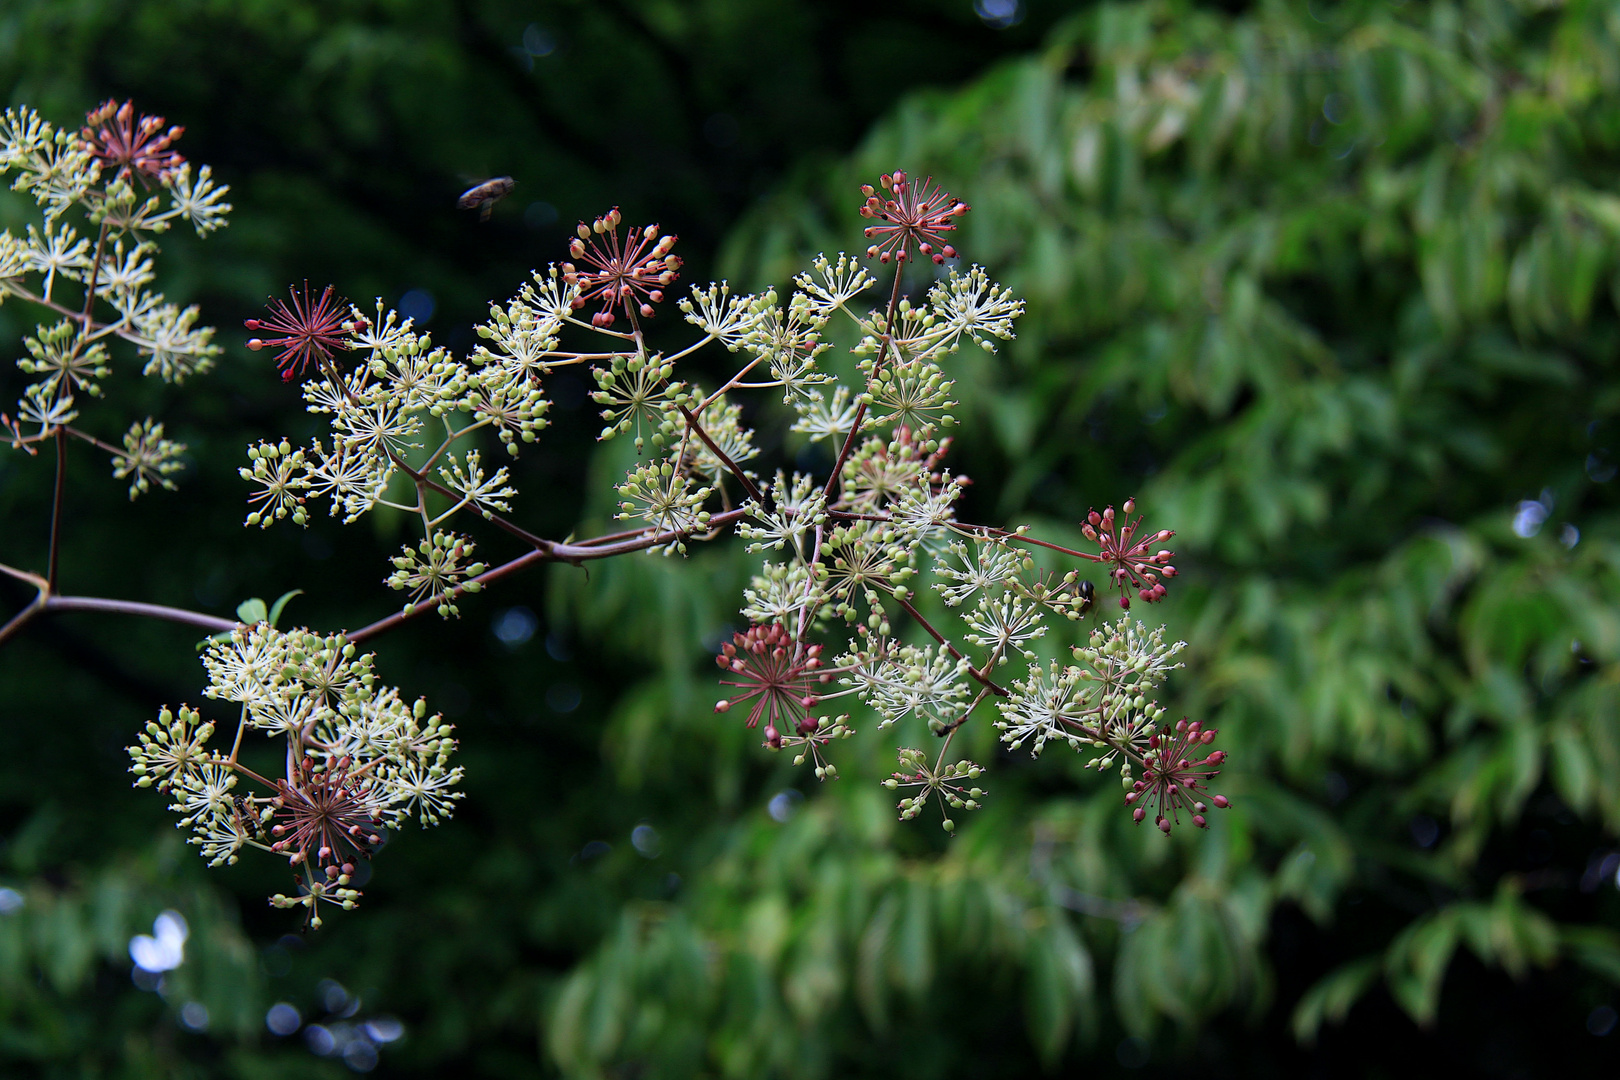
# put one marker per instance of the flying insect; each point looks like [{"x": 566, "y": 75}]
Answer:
[{"x": 485, "y": 195}]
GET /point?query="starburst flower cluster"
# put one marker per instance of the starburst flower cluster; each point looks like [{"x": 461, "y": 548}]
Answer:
[
  {"x": 777, "y": 675},
  {"x": 360, "y": 761},
  {"x": 871, "y": 595},
  {"x": 943, "y": 782},
  {"x": 910, "y": 213},
  {"x": 88, "y": 268},
  {"x": 630, "y": 274},
  {"x": 131, "y": 145},
  {"x": 1126, "y": 547},
  {"x": 311, "y": 331},
  {"x": 1175, "y": 777}
]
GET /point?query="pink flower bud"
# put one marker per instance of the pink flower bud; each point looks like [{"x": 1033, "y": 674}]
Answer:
[
  {"x": 1139, "y": 813},
  {"x": 1164, "y": 824},
  {"x": 1198, "y": 820},
  {"x": 722, "y": 706},
  {"x": 1221, "y": 801},
  {"x": 1130, "y": 506}
]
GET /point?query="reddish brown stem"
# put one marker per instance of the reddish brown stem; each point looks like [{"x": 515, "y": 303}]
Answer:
[
  {"x": 731, "y": 466},
  {"x": 56, "y": 506},
  {"x": 212, "y": 623},
  {"x": 22, "y": 618},
  {"x": 552, "y": 552},
  {"x": 860, "y": 410},
  {"x": 980, "y": 677},
  {"x": 92, "y": 440}
]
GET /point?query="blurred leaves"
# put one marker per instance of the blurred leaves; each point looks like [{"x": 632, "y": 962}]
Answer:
[{"x": 1336, "y": 297}]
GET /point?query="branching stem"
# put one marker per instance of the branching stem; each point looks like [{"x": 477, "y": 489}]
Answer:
[
  {"x": 860, "y": 409},
  {"x": 731, "y": 466},
  {"x": 981, "y": 677}
]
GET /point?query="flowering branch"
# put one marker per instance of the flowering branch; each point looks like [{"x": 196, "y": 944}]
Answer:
[{"x": 407, "y": 425}]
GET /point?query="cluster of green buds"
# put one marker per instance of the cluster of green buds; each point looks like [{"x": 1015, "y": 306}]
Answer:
[
  {"x": 436, "y": 571},
  {"x": 944, "y": 781}
]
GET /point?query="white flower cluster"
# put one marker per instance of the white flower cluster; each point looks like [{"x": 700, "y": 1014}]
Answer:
[
  {"x": 359, "y": 760},
  {"x": 1106, "y": 700},
  {"x": 400, "y": 390},
  {"x": 89, "y": 265}
]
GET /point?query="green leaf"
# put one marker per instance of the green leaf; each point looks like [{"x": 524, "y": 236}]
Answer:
[
  {"x": 252, "y": 611},
  {"x": 1417, "y": 963},
  {"x": 1331, "y": 999},
  {"x": 281, "y": 602},
  {"x": 1059, "y": 990},
  {"x": 1596, "y": 948}
]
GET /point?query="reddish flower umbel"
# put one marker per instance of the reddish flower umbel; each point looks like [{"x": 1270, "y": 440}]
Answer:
[
  {"x": 1126, "y": 547},
  {"x": 310, "y": 333},
  {"x": 776, "y": 674},
  {"x": 1173, "y": 780},
  {"x": 326, "y": 816},
  {"x": 914, "y": 212},
  {"x": 631, "y": 273},
  {"x": 135, "y": 147}
]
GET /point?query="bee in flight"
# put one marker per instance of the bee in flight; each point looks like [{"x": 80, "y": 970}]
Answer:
[{"x": 486, "y": 195}]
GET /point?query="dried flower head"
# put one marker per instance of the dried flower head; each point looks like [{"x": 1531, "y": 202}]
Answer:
[
  {"x": 777, "y": 673},
  {"x": 915, "y": 212},
  {"x": 1173, "y": 780},
  {"x": 310, "y": 332},
  {"x": 134, "y": 147},
  {"x": 1126, "y": 547},
  {"x": 630, "y": 273}
]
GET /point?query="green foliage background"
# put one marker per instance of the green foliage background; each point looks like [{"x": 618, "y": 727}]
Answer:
[{"x": 1332, "y": 289}]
